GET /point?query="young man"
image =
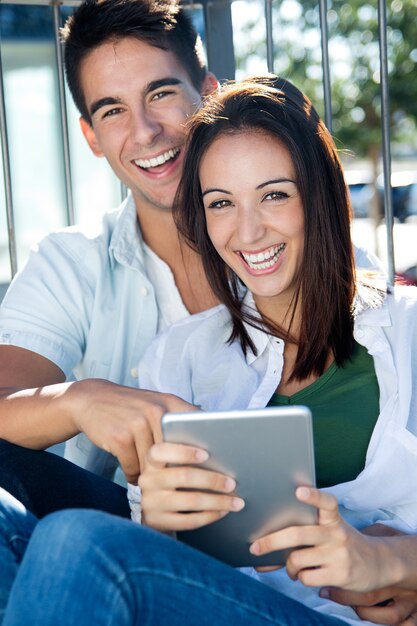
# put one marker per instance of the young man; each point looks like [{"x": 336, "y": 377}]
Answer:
[{"x": 86, "y": 305}]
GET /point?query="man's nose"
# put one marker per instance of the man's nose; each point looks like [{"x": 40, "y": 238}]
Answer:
[{"x": 145, "y": 128}]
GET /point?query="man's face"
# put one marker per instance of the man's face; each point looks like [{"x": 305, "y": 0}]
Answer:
[{"x": 139, "y": 98}]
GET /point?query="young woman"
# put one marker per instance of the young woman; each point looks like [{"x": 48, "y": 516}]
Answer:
[{"x": 264, "y": 200}]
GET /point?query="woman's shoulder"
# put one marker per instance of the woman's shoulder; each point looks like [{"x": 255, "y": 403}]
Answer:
[
  {"x": 373, "y": 290},
  {"x": 402, "y": 298}
]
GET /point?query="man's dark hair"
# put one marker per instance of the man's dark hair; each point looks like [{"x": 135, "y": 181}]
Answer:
[
  {"x": 160, "y": 23},
  {"x": 325, "y": 282}
]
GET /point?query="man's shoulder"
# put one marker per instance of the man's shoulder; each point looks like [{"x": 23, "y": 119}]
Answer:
[
  {"x": 91, "y": 234},
  {"x": 87, "y": 243}
]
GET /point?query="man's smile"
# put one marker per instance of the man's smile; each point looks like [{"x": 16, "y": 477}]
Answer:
[{"x": 158, "y": 160}]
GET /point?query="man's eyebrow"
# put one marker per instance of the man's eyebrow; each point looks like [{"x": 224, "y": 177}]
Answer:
[
  {"x": 102, "y": 102},
  {"x": 162, "y": 82},
  {"x": 215, "y": 189},
  {"x": 276, "y": 180}
]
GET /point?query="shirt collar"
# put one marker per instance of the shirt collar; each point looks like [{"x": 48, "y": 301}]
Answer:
[
  {"x": 126, "y": 244},
  {"x": 259, "y": 337}
]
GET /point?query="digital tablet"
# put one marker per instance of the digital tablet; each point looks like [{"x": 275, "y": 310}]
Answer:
[{"x": 269, "y": 452}]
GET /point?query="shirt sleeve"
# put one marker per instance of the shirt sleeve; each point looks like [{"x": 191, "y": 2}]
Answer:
[
  {"x": 46, "y": 309},
  {"x": 165, "y": 365}
]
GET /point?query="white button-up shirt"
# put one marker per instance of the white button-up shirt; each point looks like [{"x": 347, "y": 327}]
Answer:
[{"x": 194, "y": 360}]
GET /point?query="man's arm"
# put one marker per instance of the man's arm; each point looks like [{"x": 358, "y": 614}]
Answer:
[{"x": 38, "y": 409}]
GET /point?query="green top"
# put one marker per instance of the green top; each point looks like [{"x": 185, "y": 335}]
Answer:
[{"x": 344, "y": 403}]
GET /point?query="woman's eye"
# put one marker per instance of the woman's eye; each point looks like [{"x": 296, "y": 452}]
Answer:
[
  {"x": 276, "y": 195},
  {"x": 219, "y": 204}
]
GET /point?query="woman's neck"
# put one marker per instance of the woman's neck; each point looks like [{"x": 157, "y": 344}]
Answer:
[{"x": 280, "y": 311}]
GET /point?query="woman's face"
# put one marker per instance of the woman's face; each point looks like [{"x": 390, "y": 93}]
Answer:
[{"x": 254, "y": 214}]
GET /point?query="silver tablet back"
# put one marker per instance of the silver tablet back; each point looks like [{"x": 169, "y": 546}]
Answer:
[{"x": 269, "y": 452}]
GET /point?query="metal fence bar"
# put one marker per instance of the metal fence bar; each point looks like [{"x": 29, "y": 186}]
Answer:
[
  {"x": 7, "y": 176},
  {"x": 66, "y": 3},
  {"x": 219, "y": 38},
  {"x": 326, "y": 65},
  {"x": 269, "y": 36},
  {"x": 63, "y": 116},
  {"x": 386, "y": 149}
]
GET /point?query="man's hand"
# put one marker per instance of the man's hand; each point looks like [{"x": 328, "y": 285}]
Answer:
[
  {"x": 122, "y": 420},
  {"x": 38, "y": 409},
  {"x": 396, "y": 606}
]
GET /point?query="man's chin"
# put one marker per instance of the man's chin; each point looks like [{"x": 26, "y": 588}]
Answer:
[{"x": 144, "y": 202}]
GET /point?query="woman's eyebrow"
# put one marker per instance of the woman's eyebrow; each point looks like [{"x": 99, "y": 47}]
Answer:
[
  {"x": 274, "y": 181},
  {"x": 215, "y": 189}
]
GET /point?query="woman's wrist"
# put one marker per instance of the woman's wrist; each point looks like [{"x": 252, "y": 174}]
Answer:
[{"x": 398, "y": 561}]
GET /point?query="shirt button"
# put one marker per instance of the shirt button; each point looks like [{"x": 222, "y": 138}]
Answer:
[
  {"x": 134, "y": 372},
  {"x": 144, "y": 291}
]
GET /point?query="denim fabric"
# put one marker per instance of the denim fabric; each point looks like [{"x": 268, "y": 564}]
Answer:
[
  {"x": 16, "y": 527},
  {"x": 84, "y": 568},
  {"x": 45, "y": 483}
]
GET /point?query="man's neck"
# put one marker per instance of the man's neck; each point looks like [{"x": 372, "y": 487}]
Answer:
[{"x": 160, "y": 234}]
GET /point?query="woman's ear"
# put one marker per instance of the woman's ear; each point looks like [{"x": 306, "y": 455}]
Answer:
[{"x": 90, "y": 136}]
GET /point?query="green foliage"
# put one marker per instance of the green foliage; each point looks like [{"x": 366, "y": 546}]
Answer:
[{"x": 355, "y": 69}]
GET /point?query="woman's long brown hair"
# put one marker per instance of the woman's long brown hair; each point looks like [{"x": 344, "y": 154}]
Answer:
[{"x": 325, "y": 282}]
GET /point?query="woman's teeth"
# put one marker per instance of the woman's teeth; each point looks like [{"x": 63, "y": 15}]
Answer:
[{"x": 265, "y": 259}]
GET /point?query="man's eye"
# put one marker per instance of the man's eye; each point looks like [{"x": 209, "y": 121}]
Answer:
[
  {"x": 112, "y": 112},
  {"x": 161, "y": 94},
  {"x": 276, "y": 195},
  {"x": 219, "y": 204}
]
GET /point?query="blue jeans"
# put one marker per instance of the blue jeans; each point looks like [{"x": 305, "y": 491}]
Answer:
[
  {"x": 16, "y": 527},
  {"x": 91, "y": 568},
  {"x": 45, "y": 483}
]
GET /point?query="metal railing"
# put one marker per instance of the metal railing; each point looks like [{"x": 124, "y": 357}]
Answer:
[{"x": 221, "y": 60}]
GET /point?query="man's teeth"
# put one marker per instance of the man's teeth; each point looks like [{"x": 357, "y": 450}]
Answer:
[
  {"x": 159, "y": 160},
  {"x": 264, "y": 259}
]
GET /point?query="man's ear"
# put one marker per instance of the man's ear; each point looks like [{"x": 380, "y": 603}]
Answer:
[
  {"x": 210, "y": 84},
  {"x": 90, "y": 136}
]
